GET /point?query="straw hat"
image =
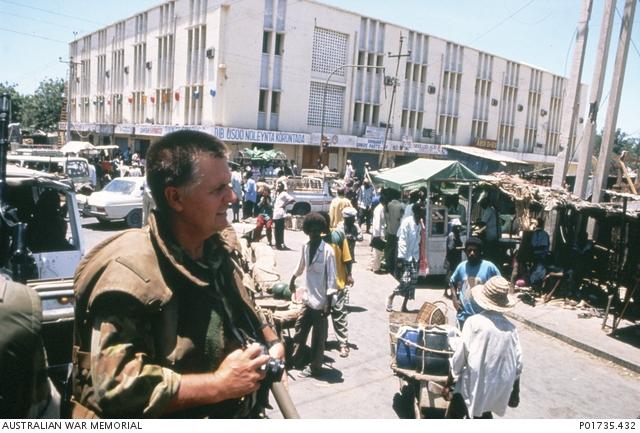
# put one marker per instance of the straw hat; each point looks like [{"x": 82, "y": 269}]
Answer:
[{"x": 493, "y": 295}]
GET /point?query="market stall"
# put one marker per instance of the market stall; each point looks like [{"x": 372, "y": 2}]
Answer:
[
  {"x": 610, "y": 230},
  {"x": 435, "y": 176}
]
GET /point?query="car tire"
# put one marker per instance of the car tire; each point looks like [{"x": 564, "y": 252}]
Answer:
[
  {"x": 102, "y": 221},
  {"x": 134, "y": 218}
]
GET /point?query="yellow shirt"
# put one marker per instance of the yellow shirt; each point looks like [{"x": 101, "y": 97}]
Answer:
[{"x": 343, "y": 256}]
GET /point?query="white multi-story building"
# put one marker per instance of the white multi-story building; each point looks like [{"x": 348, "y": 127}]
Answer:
[{"x": 269, "y": 73}]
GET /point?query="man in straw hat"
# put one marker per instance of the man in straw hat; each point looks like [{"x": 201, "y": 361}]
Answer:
[{"x": 487, "y": 364}]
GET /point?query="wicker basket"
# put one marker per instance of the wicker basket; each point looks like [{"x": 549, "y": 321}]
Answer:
[{"x": 431, "y": 314}]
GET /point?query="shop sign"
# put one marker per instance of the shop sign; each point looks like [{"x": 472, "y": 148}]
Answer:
[
  {"x": 124, "y": 129},
  {"x": 106, "y": 129},
  {"x": 155, "y": 130},
  {"x": 486, "y": 144}
]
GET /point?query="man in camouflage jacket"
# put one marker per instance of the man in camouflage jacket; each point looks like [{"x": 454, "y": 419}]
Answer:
[{"x": 164, "y": 320}]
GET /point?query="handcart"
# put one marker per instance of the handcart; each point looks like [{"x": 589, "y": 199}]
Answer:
[{"x": 420, "y": 351}]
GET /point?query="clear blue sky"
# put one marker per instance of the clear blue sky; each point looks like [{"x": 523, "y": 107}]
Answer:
[{"x": 34, "y": 33}]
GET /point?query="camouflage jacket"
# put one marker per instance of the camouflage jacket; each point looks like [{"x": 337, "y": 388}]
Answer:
[
  {"x": 146, "y": 313},
  {"x": 25, "y": 390}
]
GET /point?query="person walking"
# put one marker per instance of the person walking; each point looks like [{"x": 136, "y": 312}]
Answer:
[
  {"x": 236, "y": 186},
  {"x": 318, "y": 263},
  {"x": 348, "y": 172},
  {"x": 265, "y": 216},
  {"x": 473, "y": 271},
  {"x": 164, "y": 326},
  {"x": 337, "y": 205},
  {"x": 394, "y": 212},
  {"x": 454, "y": 251},
  {"x": 378, "y": 236},
  {"x": 283, "y": 199},
  {"x": 490, "y": 230},
  {"x": 365, "y": 198},
  {"x": 344, "y": 281},
  {"x": 250, "y": 196},
  {"x": 487, "y": 365},
  {"x": 408, "y": 257}
]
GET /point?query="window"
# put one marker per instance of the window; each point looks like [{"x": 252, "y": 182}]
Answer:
[
  {"x": 262, "y": 102},
  {"x": 334, "y": 105},
  {"x": 329, "y": 51},
  {"x": 266, "y": 40},
  {"x": 275, "y": 102},
  {"x": 279, "y": 44},
  {"x": 356, "y": 112}
]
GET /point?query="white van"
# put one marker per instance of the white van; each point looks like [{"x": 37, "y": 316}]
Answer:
[{"x": 74, "y": 167}]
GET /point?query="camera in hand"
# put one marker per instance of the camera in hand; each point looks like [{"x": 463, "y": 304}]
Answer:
[{"x": 273, "y": 368}]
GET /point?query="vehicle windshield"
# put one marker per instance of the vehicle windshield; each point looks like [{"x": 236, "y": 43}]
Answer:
[
  {"x": 120, "y": 186},
  {"x": 77, "y": 169}
]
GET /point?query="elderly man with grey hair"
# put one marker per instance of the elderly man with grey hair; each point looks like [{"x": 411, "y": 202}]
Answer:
[{"x": 165, "y": 326}]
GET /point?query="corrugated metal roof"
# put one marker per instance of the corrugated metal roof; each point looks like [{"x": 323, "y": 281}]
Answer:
[{"x": 484, "y": 154}]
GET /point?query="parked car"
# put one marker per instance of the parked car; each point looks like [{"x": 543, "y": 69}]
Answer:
[{"x": 120, "y": 199}]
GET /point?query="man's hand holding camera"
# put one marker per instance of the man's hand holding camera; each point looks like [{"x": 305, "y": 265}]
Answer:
[{"x": 241, "y": 372}]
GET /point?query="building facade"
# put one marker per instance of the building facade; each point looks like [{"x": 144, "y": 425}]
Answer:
[{"x": 275, "y": 73}]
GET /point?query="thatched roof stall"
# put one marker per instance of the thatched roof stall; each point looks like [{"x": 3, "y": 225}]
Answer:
[{"x": 617, "y": 225}]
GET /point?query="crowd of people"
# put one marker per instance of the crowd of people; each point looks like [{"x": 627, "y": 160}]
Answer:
[{"x": 166, "y": 325}]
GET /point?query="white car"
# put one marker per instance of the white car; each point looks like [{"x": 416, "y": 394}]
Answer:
[{"x": 120, "y": 199}]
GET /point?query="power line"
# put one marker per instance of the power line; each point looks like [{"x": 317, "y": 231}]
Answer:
[
  {"x": 50, "y": 12},
  {"x": 33, "y": 35},
  {"x": 630, "y": 38},
  {"x": 58, "y": 25},
  {"x": 500, "y": 23}
]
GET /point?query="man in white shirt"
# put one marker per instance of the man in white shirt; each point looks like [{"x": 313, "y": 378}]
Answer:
[
  {"x": 408, "y": 257},
  {"x": 348, "y": 172},
  {"x": 487, "y": 364},
  {"x": 378, "y": 227},
  {"x": 283, "y": 199},
  {"x": 236, "y": 186},
  {"x": 318, "y": 262}
]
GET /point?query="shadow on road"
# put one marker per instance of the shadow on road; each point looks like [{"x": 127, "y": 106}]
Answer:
[{"x": 105, "y": 227}]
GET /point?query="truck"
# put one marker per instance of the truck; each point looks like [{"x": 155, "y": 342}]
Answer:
[
  {"x": 41, "y": 245},
  {"x": 313, "y": 191}
]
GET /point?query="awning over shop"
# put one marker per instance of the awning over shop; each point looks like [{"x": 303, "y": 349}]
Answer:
[
  {"x": 484, "y": 154},
  {"x": 417, "y": 173}
]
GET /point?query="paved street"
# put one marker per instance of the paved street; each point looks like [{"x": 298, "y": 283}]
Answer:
[{"x": 559, "y": 381}]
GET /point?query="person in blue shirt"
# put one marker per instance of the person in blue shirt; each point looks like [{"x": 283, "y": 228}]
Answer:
[
  {"x": 250, "y": 196},
  {"x": 470, "y": 273}
]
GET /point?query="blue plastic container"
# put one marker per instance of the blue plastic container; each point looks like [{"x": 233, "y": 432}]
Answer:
[
  {"x": 429, "y": 362},
  {"x": 406, "y": 353}
]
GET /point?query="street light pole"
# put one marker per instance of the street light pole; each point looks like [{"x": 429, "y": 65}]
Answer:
[{"x": 324, "y": 141}]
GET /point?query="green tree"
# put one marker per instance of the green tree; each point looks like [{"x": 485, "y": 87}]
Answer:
[
  {"x": 42, "y": 109},
  {"x": 17, "y": 101},
  {"x": 621, "y": 141}
]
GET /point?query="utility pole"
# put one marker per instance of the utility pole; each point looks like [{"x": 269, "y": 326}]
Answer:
[
  {"x": 586, "y": 148},
  {"x": 572, "y": 100},
  {"x": 71, "y": 64},
  {"x": 608, "y": 136},
  {"x": 393, "y": 95}
]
